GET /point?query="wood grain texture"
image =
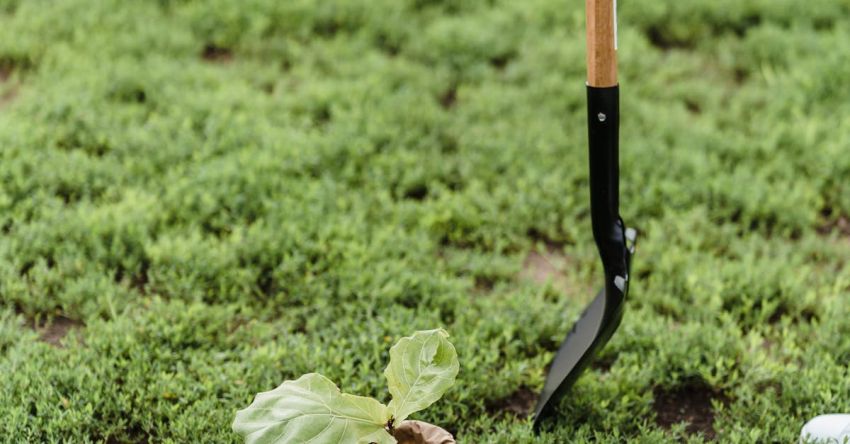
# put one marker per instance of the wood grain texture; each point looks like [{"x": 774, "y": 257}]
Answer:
[{"x": 601, "y": 45}]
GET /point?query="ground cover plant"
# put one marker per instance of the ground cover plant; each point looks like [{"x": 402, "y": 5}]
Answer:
[{"x": 201, "y": 199}]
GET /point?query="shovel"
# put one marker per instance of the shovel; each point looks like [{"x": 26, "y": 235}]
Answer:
[{"x": 614, "y": 241}]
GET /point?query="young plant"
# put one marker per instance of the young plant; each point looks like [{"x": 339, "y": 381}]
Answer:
[{"x": 312, "y": 409}]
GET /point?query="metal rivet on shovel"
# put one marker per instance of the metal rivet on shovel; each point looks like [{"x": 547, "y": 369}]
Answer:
[
  {"x": 620, "y": 283},
  {"x": 613, "y": 240}
]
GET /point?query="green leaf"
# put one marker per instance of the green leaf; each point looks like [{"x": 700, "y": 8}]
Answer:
[
  {"x": 312, "y": 409},
  {"x": 422, "y": 367}
]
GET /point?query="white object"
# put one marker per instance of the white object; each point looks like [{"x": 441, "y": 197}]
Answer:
[{"x": 827, "y": 429}]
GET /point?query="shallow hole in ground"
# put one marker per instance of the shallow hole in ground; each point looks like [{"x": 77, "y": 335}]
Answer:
[{"x": 689, "y": 403}]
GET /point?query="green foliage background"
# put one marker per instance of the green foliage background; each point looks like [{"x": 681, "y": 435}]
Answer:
[{"x": 225, "y": 194}]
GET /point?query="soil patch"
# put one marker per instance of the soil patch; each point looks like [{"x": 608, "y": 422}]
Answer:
[
  {"x": 448, "y": 98},
  {"x": 665, "y": 41},
  {"x": 216, "y": 54},
  {"x": 10, "y": 90},
  {"x": 54, "y": 331},
  {"x": 8, "y": 96},
  {"x": 603, "y": 363},
  {"x": 542, "y": 267},
  {"x": 691, "y": 404},
  {"x": 840, "y": 226},
  {"x": 500, "y": 61},
  {"x": 519, "y": 403}
]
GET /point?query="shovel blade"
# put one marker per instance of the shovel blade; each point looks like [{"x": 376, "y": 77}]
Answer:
[{"x": 590, "y": 333}]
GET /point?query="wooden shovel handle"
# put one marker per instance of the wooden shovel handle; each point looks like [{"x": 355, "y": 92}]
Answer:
[{"x": 601, "y": 43}]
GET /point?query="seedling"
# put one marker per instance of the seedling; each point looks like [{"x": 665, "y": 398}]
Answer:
[{"x": 312, "y": 408}]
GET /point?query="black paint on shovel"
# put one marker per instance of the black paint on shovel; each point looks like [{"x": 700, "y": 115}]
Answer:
[{"x": 614, "y": 241}]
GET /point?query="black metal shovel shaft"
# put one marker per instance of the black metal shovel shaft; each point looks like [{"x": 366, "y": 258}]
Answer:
[{"x": 615, "y": 245}]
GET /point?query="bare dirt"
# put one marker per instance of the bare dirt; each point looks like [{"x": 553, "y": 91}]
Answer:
[
  {"x": 690, "y": 403},
  {"x": 448, "y": 98},
  {"x": 7, "y": 92},
  {"x": 519, "y": 403},
  {"x": 841, "y": 226},
  {"x": 547, "y": 266},
  {"x": 217, "y": 54},
  {"x": 56, "y": 330}
]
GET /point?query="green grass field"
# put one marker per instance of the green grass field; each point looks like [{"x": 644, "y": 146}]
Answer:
[{"x": 201, "y": 199}]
